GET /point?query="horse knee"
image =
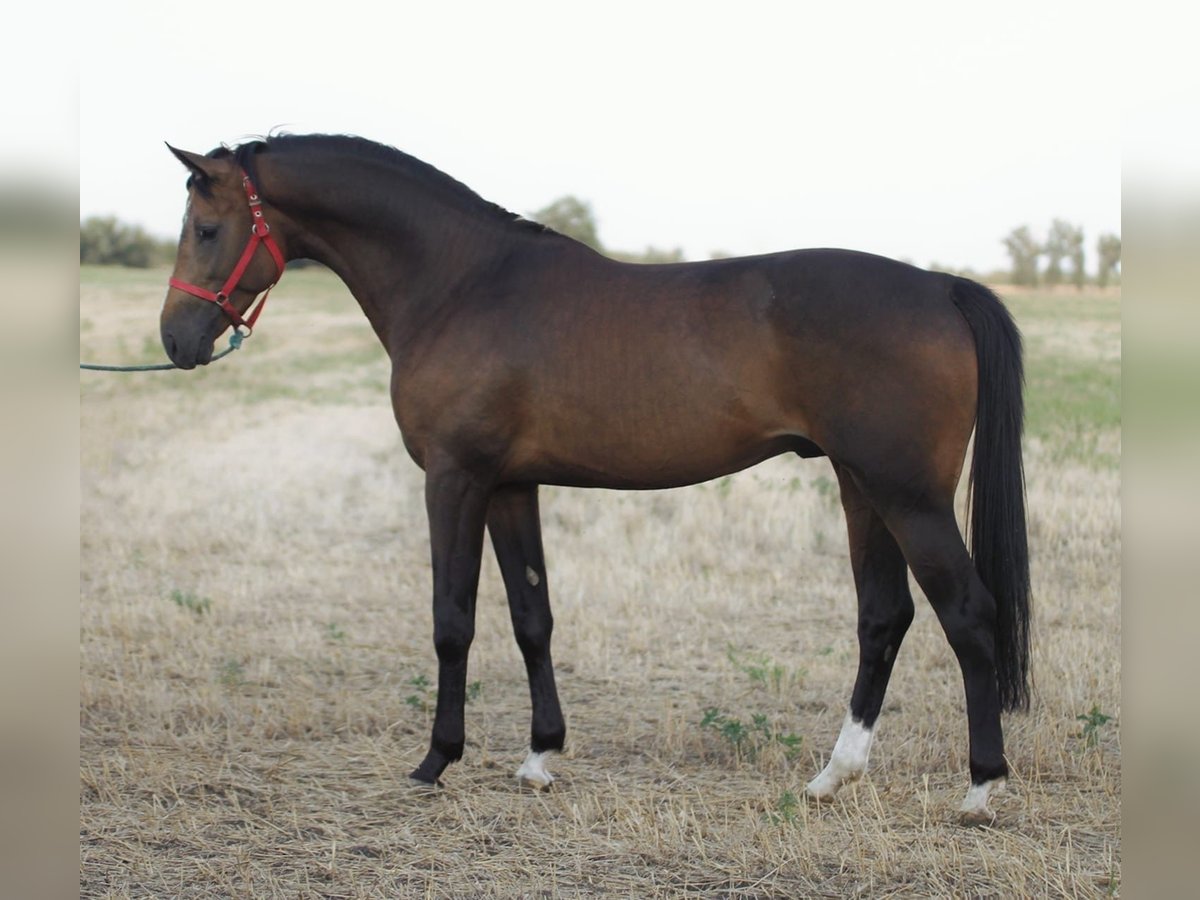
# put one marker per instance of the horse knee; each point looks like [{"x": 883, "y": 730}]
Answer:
[
  {"x": 970, "y": 625},
  {"x": 879, "y": 627},
  {"x": 533, "y": 634},
  {"x": 452, "y": 641}
]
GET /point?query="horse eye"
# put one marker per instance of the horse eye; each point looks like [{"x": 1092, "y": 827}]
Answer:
[{"x": 206, "y": 232}]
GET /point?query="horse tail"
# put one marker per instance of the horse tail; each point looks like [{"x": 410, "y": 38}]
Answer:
[{"x": 996, "y": 497}]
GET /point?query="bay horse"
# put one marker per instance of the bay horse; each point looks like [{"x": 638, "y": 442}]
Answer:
[{"x": 521, "y": 357}]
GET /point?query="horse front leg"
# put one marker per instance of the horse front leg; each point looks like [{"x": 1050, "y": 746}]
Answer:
[
  {"x": 456, "y": 502},
  {"x": 515, "y": 526}
]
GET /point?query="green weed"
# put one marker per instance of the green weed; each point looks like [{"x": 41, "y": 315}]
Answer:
[
  {"x": 759, "y": 668},
  {"x": 422, "y": 697},
  {"x": 191, "y": 602},
  {"x": 786, "y": 809},
  {"x": 749, "y": 740},
  {"x": 750, "y": 736},
  {"x": 1093, "y": 721},
  {"x": 231, "y": 673}
]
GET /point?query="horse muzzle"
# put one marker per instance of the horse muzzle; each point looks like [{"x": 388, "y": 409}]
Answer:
[{"x": 188, "y": 333}]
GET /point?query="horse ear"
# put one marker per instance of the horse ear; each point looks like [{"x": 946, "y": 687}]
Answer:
[{"x": 203, "y": 168}]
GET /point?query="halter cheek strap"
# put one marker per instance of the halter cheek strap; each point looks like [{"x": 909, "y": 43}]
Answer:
[{"x": 260, "y": 233}]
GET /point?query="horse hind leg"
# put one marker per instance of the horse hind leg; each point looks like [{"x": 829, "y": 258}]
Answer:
[
  {"x": 885, "y": 610},
  {"x": 515, "y": 527},
  {"x": 929, "y": 537}
]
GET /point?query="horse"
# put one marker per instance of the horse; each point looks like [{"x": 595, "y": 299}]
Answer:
[{"x": 521, "y": 357}]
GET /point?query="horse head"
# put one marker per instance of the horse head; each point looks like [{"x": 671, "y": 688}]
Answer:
[{"x": 219, "y": 270}]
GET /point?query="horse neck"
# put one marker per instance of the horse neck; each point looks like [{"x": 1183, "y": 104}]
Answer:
[{"x": 400, "y": 249}]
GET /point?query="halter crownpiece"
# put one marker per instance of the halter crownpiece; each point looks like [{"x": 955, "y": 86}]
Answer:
[{"x": 260, "y": 233}]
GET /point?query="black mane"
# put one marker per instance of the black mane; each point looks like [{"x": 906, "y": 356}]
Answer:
[{"x": 355, "y": 147}]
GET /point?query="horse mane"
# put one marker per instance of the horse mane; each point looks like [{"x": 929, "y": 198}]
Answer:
[{"x": 354, "y": 147}]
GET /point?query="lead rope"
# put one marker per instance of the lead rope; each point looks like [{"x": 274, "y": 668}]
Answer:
[{"x": 235, "y": 341}]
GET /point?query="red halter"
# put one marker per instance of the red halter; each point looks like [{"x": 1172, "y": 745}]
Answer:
[{"x": 260, "y": 233}]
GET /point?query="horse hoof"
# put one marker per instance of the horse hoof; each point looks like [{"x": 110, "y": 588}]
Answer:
[
  {"x": 533, "y": 772},
  {"x": 825, "y": 786},
  {"x": 420, "y": 785},
  {"x": 974, "y": 810},
  {"x": 818, "y": 795},
  {"x": 976, "y": 818}
]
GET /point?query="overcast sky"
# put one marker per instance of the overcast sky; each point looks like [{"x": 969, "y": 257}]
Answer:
[{"x": 918, "y": 130}]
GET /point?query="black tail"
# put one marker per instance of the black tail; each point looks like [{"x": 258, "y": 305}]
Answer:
[{"x": 997, "y": 486}]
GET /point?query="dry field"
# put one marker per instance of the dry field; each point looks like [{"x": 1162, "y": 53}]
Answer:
[{"x": 256, "y": 644}]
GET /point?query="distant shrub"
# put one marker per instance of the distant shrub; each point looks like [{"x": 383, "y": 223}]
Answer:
[{"x": 105, "y": 241}]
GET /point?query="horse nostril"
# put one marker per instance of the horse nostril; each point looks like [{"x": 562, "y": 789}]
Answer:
[{"x": 171, "y": 346}]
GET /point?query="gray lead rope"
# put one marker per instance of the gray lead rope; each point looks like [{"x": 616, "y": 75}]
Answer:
[{"x": 235, "y": 341}]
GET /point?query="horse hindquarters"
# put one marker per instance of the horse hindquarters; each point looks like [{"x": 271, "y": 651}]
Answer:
[{"x": 908, "y": 480}]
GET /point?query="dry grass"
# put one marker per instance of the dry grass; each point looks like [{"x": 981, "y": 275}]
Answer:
[{"x": 255, "y": 606}]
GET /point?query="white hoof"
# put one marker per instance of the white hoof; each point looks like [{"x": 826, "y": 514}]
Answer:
[
  {"x": 847, "y": 763},
  {"x": 826, "y": 785},
  {"x": 533, "y": 770},
  {"x": 974, "y": 809}
]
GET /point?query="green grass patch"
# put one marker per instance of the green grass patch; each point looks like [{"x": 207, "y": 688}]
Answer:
[
  {"x": 122, "y": 277},
  {"x": 1072, "y": 374},
  {"x": 1070, "y": 404},
  {"x": 191, "y": 602}
]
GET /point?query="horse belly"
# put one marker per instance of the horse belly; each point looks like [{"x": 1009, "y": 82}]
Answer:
[{"x": 637, "y": 440}]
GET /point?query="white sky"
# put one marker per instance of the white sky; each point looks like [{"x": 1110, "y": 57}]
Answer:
[{"x": 919, "y": 130}]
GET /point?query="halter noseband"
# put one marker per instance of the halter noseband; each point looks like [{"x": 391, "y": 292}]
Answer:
[{"x": 260, "y": 233}]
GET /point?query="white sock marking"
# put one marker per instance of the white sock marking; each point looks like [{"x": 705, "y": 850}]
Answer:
[
  {"x": 974, "y": 807},
  {"x": 848, "y": 762},
  {"x": 534, "y": 771}
]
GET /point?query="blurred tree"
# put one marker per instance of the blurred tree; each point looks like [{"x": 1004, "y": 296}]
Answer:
[
  {"x": 649, "y": 255},
  {"x": 1108, "y": 248},
  {"x": 103, "y": 240},
  {"x": 1058, "y": 246},
  {"x": 1076, "y": 255},
  {"x": 1024, "y": 252},
  {"x": 97, "y": 240},
  {"x": 962, "y": 271},
  {"x": 573, "y": 217}
]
